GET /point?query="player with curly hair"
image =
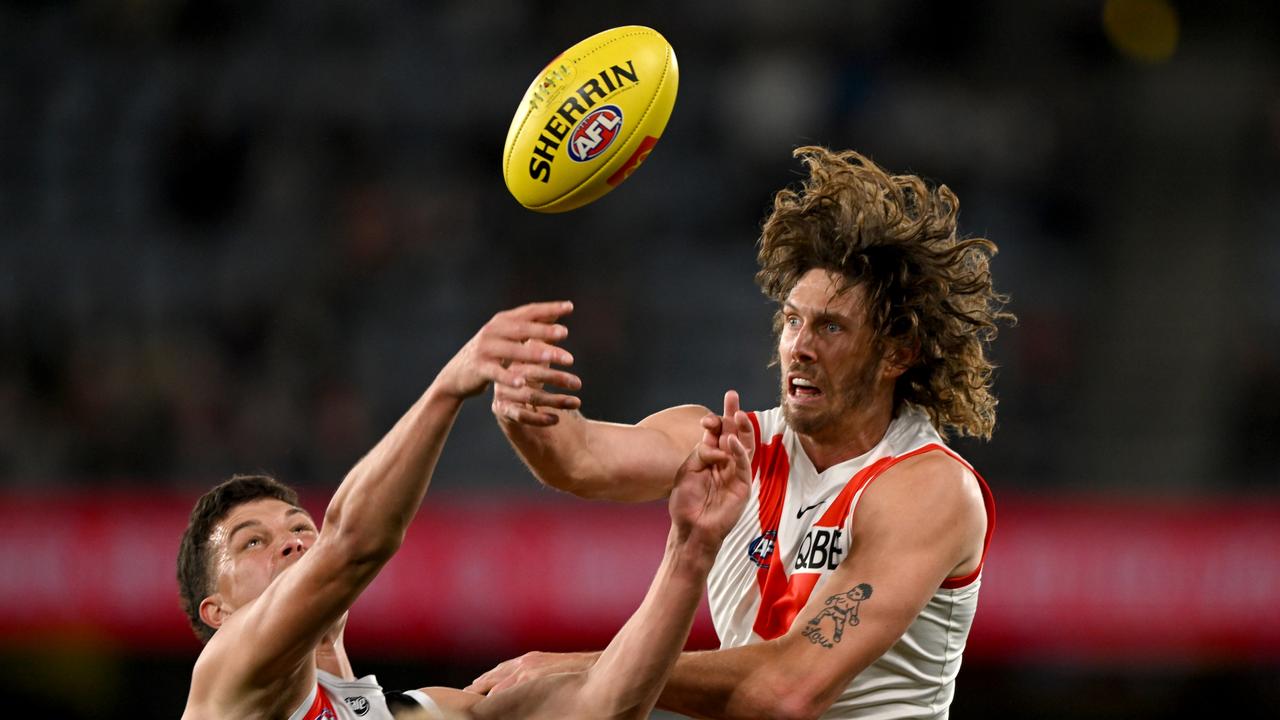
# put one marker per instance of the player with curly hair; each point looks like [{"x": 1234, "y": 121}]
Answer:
[{"x": 848, "y": 585}]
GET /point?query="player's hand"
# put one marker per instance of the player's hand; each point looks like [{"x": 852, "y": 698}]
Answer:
[
  {"x": 526, "y": 336},
  {"x": 528, "y": 667},
  {"x": 712, "y": 486},
  {"x": 733, "y": 421},
  {"x": 525, "y": 404}
]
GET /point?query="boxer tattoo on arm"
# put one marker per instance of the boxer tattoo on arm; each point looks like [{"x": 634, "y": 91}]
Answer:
[{"x": 841, "y": 610}]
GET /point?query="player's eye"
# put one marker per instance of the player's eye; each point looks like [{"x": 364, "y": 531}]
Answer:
[
  {"x": 833, "y": 327},
  {"x": 301, "y": 528},
  {"x": 793, "y": 321},
  {"x": 252, "y": 542}
]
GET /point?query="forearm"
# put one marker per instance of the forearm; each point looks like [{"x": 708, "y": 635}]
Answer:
[
  {"x": 629, "y": 674},
  {"x": 744, "y": 683},
  {"x": 624, "y": 680},
  {"x": 377, "y": 500},
  {"x": 596, "y": 460},
  {"x": 555, "y": 454}
]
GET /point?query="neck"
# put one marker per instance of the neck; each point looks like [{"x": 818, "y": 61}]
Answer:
[
  {"x": 331, "y": 656},
  {"x": 859, "y": 431}
]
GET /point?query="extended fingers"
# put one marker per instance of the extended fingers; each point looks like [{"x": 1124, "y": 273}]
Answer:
[
  {"x": 533, "y": 351},
  {"x": 525, "y": 415},
  {"x": 535, "y": 396},
  {"x": 520, "y": 330},
  {"x": 733, "y": 420},
  {"x": 539, "y": 311},
  {"x": 540, "y": 375},
  {"x": 731, "y": 404}
]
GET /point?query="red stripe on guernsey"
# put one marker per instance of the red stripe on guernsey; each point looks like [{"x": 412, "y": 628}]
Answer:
[
  {"x": 755, "y": 456},
  {"x": 772, "y": 466},
  {"x": 321, "y": 709},
  {"x": 839, "y": 510},
  {"x": 782, "y": 598}
]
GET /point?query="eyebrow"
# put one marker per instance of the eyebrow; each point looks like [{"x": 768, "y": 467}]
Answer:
[
  {"x": 241, "y": 526},
  {"x": 251, "y": 523},
  {"x": 822, "y": 315}
]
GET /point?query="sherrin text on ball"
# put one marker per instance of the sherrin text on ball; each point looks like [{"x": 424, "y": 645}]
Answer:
[{"x": 590, "y": 118}]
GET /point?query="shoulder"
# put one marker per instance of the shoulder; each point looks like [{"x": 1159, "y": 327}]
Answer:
[
  {"x": 220, "y": 684},
  {"x": 208, "y": 671},
  {"x": 928, "y": 490}
]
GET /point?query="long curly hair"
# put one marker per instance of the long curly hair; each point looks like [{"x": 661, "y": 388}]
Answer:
[{"x": 927, "y": 290}]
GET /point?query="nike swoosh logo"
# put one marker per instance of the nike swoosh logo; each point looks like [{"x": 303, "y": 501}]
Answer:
[{"x": 802, "y": 512}]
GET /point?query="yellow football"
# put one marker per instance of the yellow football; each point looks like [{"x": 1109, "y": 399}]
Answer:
[{"x": 590, "y": 118}]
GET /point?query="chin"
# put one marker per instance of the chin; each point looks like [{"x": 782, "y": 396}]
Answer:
[{"x": 806, "y": 421}]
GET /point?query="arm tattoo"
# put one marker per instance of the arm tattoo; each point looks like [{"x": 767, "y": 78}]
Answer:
[{"x": 841, "y": 609}]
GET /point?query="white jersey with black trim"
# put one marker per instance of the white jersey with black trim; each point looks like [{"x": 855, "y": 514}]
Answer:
[
  {"x": 795, "y": 531},
  {"x": 336, "y": 699}
]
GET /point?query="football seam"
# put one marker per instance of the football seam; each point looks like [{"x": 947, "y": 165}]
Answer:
[
  {"x": 666, "y": 67},
  {"x": 506, "y": 165}
]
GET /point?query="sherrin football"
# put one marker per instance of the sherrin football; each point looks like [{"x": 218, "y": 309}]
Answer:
[{"x": 590, "y": 118}]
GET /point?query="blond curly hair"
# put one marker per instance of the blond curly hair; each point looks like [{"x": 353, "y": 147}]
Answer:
[{"x": 927, "y": 289}]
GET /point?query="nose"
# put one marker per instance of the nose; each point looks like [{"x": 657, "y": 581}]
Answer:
[
  {"x": 293, "y": 545},
  {"x": 802, "y": 345}
]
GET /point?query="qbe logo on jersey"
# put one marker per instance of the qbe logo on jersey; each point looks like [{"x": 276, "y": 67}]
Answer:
[{"x": 594, "y": 133}]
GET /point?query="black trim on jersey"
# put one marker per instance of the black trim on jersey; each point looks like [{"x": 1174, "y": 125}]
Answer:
[{"x": 403, "y": 706}]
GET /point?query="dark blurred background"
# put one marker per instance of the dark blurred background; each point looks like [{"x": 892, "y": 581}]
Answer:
[{"x": 243, "y": 235}]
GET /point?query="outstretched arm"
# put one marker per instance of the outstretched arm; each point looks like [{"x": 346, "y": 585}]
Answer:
[
  {"x": 595, "y": 459},
  {"x": 708, "y": 494},
  {"x": 275, "y": 635}
]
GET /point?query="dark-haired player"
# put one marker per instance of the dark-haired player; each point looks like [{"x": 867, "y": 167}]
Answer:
[{"x": 268, "y": 591}]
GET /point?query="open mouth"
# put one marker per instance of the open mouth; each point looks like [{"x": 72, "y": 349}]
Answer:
[{"x": 798, "y": 387}]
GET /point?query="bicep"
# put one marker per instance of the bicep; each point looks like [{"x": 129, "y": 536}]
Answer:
[
  {"x": 641, "y": 460},
  {"x": 907, "y": 539}
]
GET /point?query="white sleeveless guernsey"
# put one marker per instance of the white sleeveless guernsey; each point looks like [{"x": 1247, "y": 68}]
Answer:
[
  {"x": 336, "y": 699},
  {"x": 795, "y": 531}
]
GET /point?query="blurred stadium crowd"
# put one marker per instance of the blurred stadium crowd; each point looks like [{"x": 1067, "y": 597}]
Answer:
[{"x": 242, "y": 235}]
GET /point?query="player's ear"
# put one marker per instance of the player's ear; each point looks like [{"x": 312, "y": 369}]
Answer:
[
  {"x": 212, "y": 611},
  {"x": 899, "y": 357}
]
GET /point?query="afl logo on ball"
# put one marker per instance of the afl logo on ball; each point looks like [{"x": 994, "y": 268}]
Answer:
[{"x": 594, "y": 133}]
